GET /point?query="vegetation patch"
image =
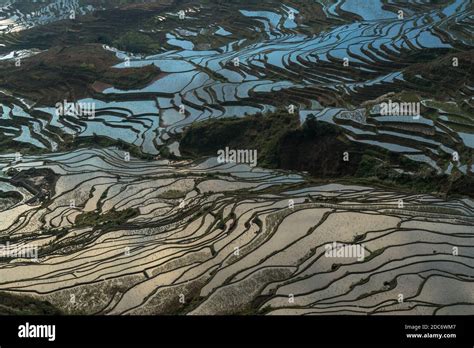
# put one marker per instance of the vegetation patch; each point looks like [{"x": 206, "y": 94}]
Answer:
[
  {"x": 318, "y": 148},
  {"x": 68, "y": 72},
  {"x": 25, "y": 305},
  {"x": 109, "y": 219},
  {"x": 172, "y": 194}
]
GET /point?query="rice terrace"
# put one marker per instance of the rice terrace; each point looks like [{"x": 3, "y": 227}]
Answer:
[{"x": 236, "y": 157}]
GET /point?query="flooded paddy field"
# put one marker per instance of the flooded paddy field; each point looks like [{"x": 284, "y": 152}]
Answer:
[
  {"x": 230, "y": 239},
  {"x": 97, "y": 100}
]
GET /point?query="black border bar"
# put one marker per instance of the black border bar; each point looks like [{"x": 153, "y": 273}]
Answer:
[{"x": 141, "y": 331}]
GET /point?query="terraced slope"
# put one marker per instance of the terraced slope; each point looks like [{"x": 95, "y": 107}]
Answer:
[
  {"x": 291, "y": 67},
  {"x": 230, "y": 239}
]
